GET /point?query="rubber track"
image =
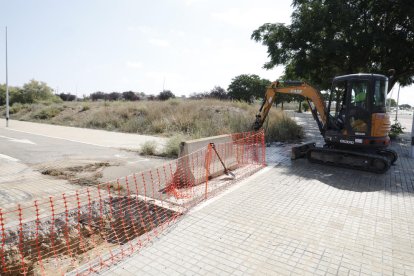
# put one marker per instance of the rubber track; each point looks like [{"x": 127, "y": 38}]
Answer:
[
  {"x": 387, "y": 153},
  {"x": 370, "y": 158}
]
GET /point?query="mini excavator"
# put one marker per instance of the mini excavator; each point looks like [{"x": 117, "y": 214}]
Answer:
[{"x": 354, "y": 122}]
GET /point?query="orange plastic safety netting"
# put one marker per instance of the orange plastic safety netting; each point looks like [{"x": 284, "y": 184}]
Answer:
[{"x": 86, "y": 230}]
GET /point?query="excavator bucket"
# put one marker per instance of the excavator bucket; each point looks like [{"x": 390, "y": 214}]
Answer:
[{"x": 301, "y": 150}]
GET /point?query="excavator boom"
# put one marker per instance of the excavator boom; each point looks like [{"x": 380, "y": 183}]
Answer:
[{"x": 311, "y": 94}]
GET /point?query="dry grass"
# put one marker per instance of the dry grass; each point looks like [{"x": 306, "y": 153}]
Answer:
[
  {"x": 86, "y": 175},
  {"x": 189, "y": 118}
]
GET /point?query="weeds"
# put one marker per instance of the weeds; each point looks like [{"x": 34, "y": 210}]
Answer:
[
  {"x": 148, "y": 148},
  {"x": 396, "y": 130},
  {"x": 172, "y": 147},
  {"x": 282, "y": 128},
  {"x": 85, "y": 107},
  {"x": 189, "y": 118},
  {"x": 47, "y": 113}
]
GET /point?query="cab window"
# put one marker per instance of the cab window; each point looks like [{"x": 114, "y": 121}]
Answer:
[
  {"x": 359, "y": 93},
  {"x": 380, "y": 91}
]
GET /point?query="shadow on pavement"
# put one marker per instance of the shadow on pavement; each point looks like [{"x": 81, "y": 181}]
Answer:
[{"x": 398, "y": 179}]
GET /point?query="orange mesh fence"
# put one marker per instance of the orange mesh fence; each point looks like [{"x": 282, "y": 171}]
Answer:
[{"x": 86, "y": 230}]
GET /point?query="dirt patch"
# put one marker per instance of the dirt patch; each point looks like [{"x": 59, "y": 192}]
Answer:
[
  {"x": 70, "y": 239},
  {"x": 85, "y": 175}
]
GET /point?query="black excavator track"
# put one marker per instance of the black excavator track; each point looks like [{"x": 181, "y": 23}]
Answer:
[
  {"x": 378, "y": 163},
  {"x": 390, "y": 154}
]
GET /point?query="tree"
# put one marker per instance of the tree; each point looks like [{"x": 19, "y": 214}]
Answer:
[
  {"x": 329, "y": 38},
  {"x": 31, "y": 92},
  {"x": 405, "y": 106},
  {"x": 98, "y": 96},
  {"x": 67, "y": 97},
  {"x": 14, "y": 94},
  {"x": 247, "y": 87},
  {"x": 391, "y": 102},
  {"x": 35, "y": 91},
  {"x": 130, "y": 96},
  {"x": 218, "y": 93},
  {"x": 114, "y": 96},
  {"x": 165, "y": 95}
]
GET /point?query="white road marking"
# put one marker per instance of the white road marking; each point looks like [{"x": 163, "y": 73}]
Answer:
[
  {"x": 70, "y": 140},
  {"x": 24, "y": 141},
  {"x": 8, "y": 158},
  {"x": 54, "y": 137}
]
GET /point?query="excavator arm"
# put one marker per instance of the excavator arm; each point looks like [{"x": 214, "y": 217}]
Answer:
[{"x": 312, "y": 95}]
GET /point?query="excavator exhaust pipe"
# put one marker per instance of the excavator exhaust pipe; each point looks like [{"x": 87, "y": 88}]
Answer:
[{"x": 301, "y": 150}]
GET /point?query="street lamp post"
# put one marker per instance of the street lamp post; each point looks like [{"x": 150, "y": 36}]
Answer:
[
  {"x": 412, "y": 139},
  {"x": 7, "y": 87},
  {"x": 398, "y": 102}
]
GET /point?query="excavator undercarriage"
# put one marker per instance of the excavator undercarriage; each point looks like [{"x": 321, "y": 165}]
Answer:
[{"x": 377, "y": 162}]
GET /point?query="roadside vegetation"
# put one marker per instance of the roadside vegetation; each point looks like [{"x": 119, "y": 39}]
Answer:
[
  {"x": 201, "y": 115},
  {"x": 176, "y": 118}
]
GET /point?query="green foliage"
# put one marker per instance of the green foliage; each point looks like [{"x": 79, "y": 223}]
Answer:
[
  {"x": 247, "y": 88},
  {"x": 148, "y": 148},
  {"x": 305, "y": 106},
  {"x": 31, "y": 92},
  {"x": 15, "y": 108},
  {"x": 283, "y": 129},
  {"x": 396, "y": 130},
  {"x": 218, "y": 93},
  {"x": 183, "y": 118},
  {"x": 47, "y": 113},
  {"x": 391, "y": 102},
  {"x": 35, "y": 91},
  {"x": 165, "y": 95},
  {"x": 172, "y": 147},
  {"x": 329, "y": 38},
  {"x": 14, "y": 93}
]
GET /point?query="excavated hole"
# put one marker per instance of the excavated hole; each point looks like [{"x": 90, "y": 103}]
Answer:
[{"x": 78, "y": 235}]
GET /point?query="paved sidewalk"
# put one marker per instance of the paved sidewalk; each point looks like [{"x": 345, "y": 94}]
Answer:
[{"x": 294, "y": 218}]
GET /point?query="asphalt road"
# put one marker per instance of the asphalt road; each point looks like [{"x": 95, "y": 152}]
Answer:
[{"x": 26, "y": 149}]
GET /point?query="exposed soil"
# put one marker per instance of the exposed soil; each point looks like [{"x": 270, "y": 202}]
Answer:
[
  {"x": 70, "y": 239},
  {"x": 85, "y": 175}
]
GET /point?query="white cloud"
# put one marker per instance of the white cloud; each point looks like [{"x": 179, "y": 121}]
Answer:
[
  {"x": 159, "y": 42},
  {"x": 133, "y": 64}
]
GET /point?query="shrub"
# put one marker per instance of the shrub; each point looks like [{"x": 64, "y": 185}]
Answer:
[
  {"x": 172, "y": 147},
  {"x": 47, "y": 113},
  {"x": 283, "y": 129},
  {"x": 148, "y": 148},
  {"x": 85, "y": 107},
  {"x": 16, "y": 107},
  {"x": 396, "y": 130},
  {"x": 165, "y": 95}
]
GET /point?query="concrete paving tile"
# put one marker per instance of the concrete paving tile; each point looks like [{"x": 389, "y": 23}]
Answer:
[{"x": 299, "y": 218}]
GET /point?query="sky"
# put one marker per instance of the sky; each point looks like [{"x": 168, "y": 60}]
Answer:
[{"x": 185, "y": 46}]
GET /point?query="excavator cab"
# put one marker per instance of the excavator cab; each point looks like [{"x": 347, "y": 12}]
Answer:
[{"x": 356, "y": 111}]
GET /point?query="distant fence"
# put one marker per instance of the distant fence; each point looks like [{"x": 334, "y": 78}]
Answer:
[{"x": 84, "y": 231}]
